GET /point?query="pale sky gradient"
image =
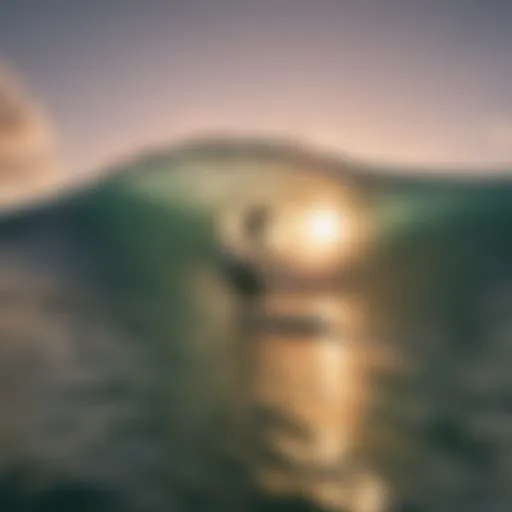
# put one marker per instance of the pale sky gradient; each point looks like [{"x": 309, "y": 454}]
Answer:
[{"x": 401, "y": 80}]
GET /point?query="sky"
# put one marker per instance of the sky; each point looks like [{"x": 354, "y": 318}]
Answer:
[{"x": 407, "y": 81}]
